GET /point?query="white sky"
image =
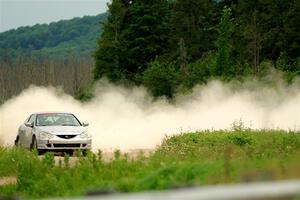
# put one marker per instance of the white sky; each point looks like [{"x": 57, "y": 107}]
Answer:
[{"x": 16, "y": 13}]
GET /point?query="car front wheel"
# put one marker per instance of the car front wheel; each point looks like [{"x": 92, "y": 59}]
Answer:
[
  {"x": 84, "y": 152},
  {"x": 34, "y": 145}
]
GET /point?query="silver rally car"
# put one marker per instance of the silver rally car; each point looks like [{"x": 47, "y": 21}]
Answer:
[{"x": 54, "y": 132}]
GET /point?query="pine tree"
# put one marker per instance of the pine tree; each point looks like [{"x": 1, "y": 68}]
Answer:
[
  {"x": 108, "y": 53},
  {"x": 145, "y": 36}
]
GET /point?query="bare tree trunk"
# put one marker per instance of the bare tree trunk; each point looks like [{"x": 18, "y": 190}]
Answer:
[{"x": 183, "y": 57}]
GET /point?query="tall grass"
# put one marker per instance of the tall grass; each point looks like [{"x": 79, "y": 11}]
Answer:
[{"x": 200, "y": 158}]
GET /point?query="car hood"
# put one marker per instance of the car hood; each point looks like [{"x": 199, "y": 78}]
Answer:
[{"x": 61, "y": 130}]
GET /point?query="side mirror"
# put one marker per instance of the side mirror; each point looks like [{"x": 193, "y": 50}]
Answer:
[
  {"x": 85, "y": 124},
  {"x": 29, "y": 124}
]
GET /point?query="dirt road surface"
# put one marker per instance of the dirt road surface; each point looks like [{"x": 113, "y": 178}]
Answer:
[
  {"x": 8, "y": 180},
  {"x": 107, "y": 156}
]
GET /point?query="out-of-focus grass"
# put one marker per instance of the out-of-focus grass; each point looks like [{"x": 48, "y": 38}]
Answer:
[{"x": 200, "y": 158}]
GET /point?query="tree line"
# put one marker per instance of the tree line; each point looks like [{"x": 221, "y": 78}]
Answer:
[
  {"x": 171, "y": 45},
  {"x": 73, "y": 75}
]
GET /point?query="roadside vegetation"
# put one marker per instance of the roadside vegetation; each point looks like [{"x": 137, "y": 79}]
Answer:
[{"x": 187, "y": 159}]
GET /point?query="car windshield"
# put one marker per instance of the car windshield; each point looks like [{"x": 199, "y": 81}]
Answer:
[{"x": 56, "y": 119}]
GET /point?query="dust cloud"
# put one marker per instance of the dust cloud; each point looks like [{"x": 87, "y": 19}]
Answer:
[{"x": 129, "y": 118}]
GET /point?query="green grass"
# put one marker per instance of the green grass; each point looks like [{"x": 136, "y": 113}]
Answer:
[{"x": 190, "y": 159}]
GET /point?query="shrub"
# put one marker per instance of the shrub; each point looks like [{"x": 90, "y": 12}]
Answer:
[
  {"x": 200, "y": 71},
  {"x": 160, "y": 78}
]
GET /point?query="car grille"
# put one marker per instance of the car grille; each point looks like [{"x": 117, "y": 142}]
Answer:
[
  {"x": 66, "y": 145},
  {"x": 66, "y": 136}
]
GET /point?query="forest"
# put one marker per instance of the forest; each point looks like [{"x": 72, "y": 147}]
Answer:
[{"x": 170, "y": 46}]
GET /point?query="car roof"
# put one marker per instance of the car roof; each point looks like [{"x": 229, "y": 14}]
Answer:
[{"x": 44, "y": 113}]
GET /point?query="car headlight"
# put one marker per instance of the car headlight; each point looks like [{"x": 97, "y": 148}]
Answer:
[
  {"x": 45, "y": 136},
  {"x": 85, "y": 135}
]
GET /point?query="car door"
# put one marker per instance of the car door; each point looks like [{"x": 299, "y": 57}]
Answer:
[
  {"x": 22, "y": 133},
  {"x": 28, "y": 132}
]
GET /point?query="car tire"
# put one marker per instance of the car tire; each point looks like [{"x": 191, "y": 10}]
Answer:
[
  {"x": 70, "y": 152},
  {"x": 84, "y": 152},
  {"x": 41, "y": 151},
  {"x": 33, "y": 146}
]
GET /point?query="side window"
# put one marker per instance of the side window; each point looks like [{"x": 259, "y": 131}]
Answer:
[{"x": 31, "y": 119}]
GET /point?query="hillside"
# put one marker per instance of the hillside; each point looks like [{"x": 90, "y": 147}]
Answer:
[{"x": 75, "y": 37}]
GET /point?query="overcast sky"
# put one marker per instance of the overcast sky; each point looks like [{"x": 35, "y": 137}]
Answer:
[{"x": 16, "y": 13}]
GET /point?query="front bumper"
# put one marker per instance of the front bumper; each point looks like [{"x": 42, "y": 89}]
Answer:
[{"x": 57, "y": 143}]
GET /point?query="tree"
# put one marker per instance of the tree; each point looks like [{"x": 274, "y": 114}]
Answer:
[
  {"x": 267, "y": 30},
  {"x": 145, "y": 36},
  {"x": 225, "y": 30},
  {"x": 193, "y": 22},
  {"x": 135, "y": 33},
  {"x": 160, "y": 78},
  {"x": 292, "y": 30},
  {"x": 199, "y": 72},
  {"x": 108, "y": 53}
]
